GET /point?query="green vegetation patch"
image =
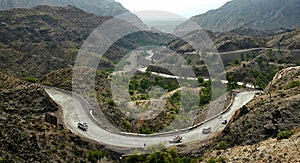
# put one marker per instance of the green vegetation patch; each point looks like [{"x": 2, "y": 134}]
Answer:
[
  {"x": 31, "y": 79},
  {"x": 161, "y": 156},
  {"x": 292, "y": 84},
  {"x": 96, "y": 155},
  {"x": 284, "y": 135}
]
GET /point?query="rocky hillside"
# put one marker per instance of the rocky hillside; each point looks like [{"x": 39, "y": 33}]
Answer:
[
  {"x": 275, "y": 111},
  {"x": 98, "y": 7},
  {"x": 26, "y": 137},
  {"x": 39, "y": 40},
  {"x": 271, "y": 150},
  {"x": 257, "y": 14},
  {"x": 278, "y": 109},
  {"x": 287, "y": 40}
]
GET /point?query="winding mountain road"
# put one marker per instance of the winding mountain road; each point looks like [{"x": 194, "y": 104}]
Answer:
[{"x": 75, "y": 109}]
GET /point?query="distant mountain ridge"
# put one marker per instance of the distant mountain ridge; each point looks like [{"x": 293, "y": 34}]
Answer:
[
  {"x": 98, "y": 7},
  {"x": 257, "y": 14},
  {"x": 42, "y": 39}
]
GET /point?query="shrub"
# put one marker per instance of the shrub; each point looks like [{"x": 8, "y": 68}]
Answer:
[
  {"x": 31, "y": 79},
  {"x": 48, "y": 84},
  {"x": 94, "y": 156},
  {"x": 135, "y": 158},
  {"x": 175, "y": 98},
  {"x": 111, "y": 102},
  {"x": 144, "y": 97},
  {"x": 146, "y": 130},
  {"x": 236, "y": 62},
  {"x": 155, "y": 148},
  {"x": 292, "y": 84},
  {"x": 2, "y": 160},
  {"x": 160, "y": 156},
  {"x": 221, "y": 159},
  {"x": 284, "y": 135},
  {"x": 211, "y": 160},
  {"x": 187, "y": 160},
  {"x": 222, "y": 145}
]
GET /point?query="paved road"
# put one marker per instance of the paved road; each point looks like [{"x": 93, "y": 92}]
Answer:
[
  {"x": 235, "y": 51},
  {"x": 76, "y": 110},
  {"x": 149, "y": 57}
]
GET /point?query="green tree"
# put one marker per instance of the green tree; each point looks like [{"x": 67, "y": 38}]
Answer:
[
  {"x": 145, "y": 84},
  {"x": 232, "y": 81},
  {"x": 236, "y": 62},
  {"x": 200, "y": 80}
]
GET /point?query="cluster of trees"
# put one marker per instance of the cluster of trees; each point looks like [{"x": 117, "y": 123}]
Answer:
[
  {"x": 162, "y": 156},
  {"x": 140, "y": 85}
]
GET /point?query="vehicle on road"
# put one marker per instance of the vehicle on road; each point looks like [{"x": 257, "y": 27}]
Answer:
[
  {"x": 83, "y": 126},
  {"x": 176, "y": 139},
  {"x": 206, "y": 130},
  {"x": 224, "y": 121}
]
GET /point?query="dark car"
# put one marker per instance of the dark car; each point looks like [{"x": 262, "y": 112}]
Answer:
[
  {"x": 82, "y": 126},
  {"x": 224, "y": 121}
]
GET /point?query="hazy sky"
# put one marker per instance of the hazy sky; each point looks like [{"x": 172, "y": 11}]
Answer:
[{"x": 185, "y": 8}]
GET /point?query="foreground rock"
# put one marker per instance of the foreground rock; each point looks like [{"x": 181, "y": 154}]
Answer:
[{"x": 25, "y": 137}]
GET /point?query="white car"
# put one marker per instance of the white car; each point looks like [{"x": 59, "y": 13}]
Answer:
[
  {"x": 206, "y": 130},
  {"x": 83, "y": 126}
]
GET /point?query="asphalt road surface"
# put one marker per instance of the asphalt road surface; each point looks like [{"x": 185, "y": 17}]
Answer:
[{"x": 75, "y": 110}]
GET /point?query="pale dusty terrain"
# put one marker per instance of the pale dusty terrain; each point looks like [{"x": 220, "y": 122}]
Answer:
[{"x": 271, "y": 150}]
